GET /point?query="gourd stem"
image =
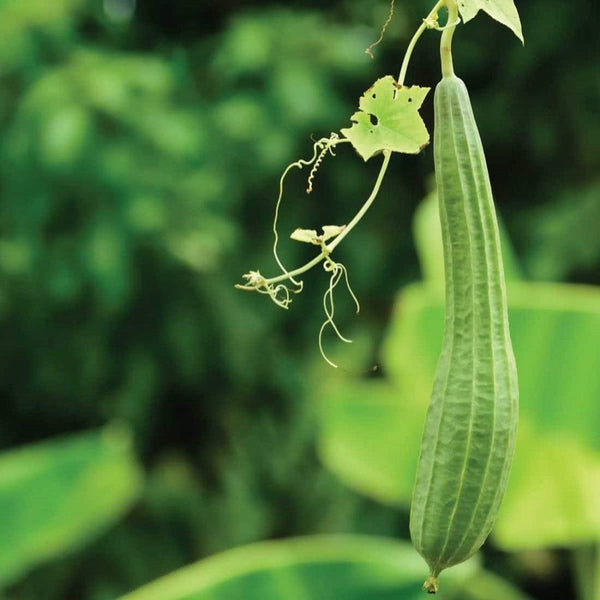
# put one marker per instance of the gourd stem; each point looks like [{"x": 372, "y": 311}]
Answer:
[{"x": 446, "y": 42}]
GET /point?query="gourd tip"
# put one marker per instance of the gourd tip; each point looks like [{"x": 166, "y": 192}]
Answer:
[{"x": 431, "y": 585}]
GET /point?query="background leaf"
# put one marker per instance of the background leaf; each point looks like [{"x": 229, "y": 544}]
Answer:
[
  {"x": 56, "y": 495},
  {"x": 341, "y": 567}
]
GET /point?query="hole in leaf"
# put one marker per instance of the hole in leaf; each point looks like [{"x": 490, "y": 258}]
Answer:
[
  {"x": 374, "y": 96},
  {"x": 410, "y": 99},
  {"x": 374, "y": 120}
]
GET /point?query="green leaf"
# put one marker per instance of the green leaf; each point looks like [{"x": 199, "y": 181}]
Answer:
[
  {"x": 333, "y": 567},
  {"x": 388, "y": 119},
  {"x": 503, "y": 11},
  {"x": 310, "y": 236},
  {"x": 554, "y": 253},
  {"x": 554, "y": 493},
  {"x": 368, "y": 429},
  {"x": 56, "y": 495},
  {"x": 367, "y": 439},
  {"x": 331, "y": 231}
]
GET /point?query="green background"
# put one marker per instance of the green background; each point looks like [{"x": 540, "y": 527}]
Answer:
[{"x": 153, "y": 416}]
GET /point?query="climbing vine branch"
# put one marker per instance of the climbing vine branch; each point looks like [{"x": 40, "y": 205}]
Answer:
[
  {"x": 387, "y": 121},
  {"x": 429, "y": 22}
]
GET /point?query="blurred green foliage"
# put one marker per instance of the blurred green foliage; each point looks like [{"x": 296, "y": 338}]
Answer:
[
  {"x": 55, "y": 495},
  {"x": 334, "y": 567},
  {"x": 140, "y": 152}
]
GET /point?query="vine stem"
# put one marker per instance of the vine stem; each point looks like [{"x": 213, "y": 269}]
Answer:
[
  {"x": 415, "y": 39},
  {"x": 382, "y": 171},
  {"x": 365, "y": 207},
  {"x": 328, "y": 249}
]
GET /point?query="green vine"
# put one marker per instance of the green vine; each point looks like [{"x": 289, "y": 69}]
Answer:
[{"x": 387, "y": 121}]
